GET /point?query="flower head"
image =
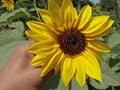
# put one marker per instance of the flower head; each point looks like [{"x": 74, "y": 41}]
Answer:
[
  {"x": 68, "y": 42},
  {"x": 9, "y": 4}
]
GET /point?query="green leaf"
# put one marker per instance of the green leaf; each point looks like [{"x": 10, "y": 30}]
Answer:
[
  {"x": 116, "y": 67},
  {"x": 10, "y": 36},
  {"x": 9, "y": 40},
  {"x": 116, "y": 48},
  {"x": 17, "y": 25},
  {"x": 10, "y": 16},
  {"x": 52, "y": 83},
  {"x": 114, "y": 39},
  {"x": 55, "y": 83},
  {"x": 76, "y": 86},
  {"x": 114, "y": 64},
  {"x": 98, "y": 85},
  {"x": 110, "y": 78},
  {"x": 61, "y": 86}
]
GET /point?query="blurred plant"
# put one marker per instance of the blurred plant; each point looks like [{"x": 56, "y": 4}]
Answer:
[
  {"x": 13, "y": 25},
  {"x": 97, "y": 11},
  {"x": 9, "y": 4},
  {"x": 112, "y": 6}
]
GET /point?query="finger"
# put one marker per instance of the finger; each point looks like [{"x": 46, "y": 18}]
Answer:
[{"x": 21, "y": 56}]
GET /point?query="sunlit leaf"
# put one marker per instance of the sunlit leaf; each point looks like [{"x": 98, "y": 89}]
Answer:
[
  {"x": 110, "y": 78},
  {"x": 17, "y": 25},
  {"x": 9, "y": 16},
  {"x": 76, "y": 86},
  {"x": 9, "y": 40},
  {"x": 62, "y": 87},
  {"x": 98, "y": 85},
  {"x": 114, "y": 39},
  {"x": 55, "y": 83}
]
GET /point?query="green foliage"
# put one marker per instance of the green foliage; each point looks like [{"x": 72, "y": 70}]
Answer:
[
  {"x": 113, "y": 7},
  {"x": 114, "y": 39},
  {"x": 110, "y": 78},
  {"x": 13, "y": 25},
  {"x": 9, "y": 40},
  {"x": 17, "y": 25},
  {"x": 55, "y": 83},
  {"x": 16, "y": 14},
  {"x": 80, "y": 3},
  {"x": 109, "y": 5}
]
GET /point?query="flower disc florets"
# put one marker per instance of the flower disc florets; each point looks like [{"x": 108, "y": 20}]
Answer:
[{"x": 72, "y": 42}]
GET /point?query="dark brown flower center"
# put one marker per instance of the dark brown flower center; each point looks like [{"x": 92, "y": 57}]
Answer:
[{"x": 72, "y": 42}]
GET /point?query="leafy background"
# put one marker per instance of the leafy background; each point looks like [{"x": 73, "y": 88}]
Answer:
[{"x": 13, "y": 25}]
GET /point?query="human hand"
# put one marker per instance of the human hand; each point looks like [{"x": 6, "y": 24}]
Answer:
[{"x": 18, "y": 74}]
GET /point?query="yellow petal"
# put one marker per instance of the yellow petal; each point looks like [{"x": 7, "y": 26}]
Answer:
[
  {"x": 67, "y": 70},
  {"x": 96, "y": 23},
  {"x": 51, "y": 19},
  {"x": 54, "y": 9},
  {"x": 58, "y": 64},
  {"x": 46, "y": 16},
  {"x": 59, "y": 2},
  {"x": 80, "y": 70},
  {"x": 57, "y": 68},
  {"x": 98, "y": 45},
  {"x": 37, "y": 27},
  {"x": 83, "y": 17},
  {"x": 92, "y": 66},
  {"x": 39, "y": 37},
  {"x": 44, "y": 44},
  {"x": 97, "y": 54},
  {"x": 9, "y": 4},
  {"x": 106, "y": 29},
  {"x": 53, "y": 6},
  {"x": 38, "y": 60},
  {"x": 43, "y": 48},
  {"x": 65, "y": 4},
  {"x": 100, "y": 31},
  {"x": 68, "y": 13},
  {"x": 51, "y": 63},
  {"x": 69, "y": 16},
  {"x": 40, "y": 27}
]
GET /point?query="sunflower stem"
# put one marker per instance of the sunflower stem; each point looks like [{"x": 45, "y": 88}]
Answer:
[
  {"x": 34, "y": 3},
  {"x": 70, "y": 85}
]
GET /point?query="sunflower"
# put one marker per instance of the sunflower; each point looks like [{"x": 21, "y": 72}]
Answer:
[
  {"x": 68, "y": 42},
  {"x": 9, "y": 4}
]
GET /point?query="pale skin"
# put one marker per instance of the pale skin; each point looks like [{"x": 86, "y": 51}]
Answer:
[{"x": 18, "y": 74}]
